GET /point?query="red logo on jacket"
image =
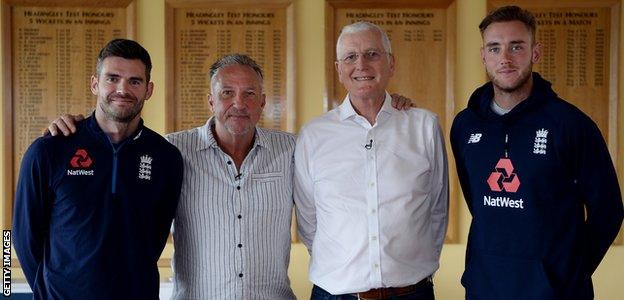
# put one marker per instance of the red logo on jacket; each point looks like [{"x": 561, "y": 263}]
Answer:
[
  {"x": 81, "y": 160},
  {"x": 503, "y": 178}
]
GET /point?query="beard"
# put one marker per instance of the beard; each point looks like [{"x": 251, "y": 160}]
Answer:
[
  {"x": 522, "y": 80},
  {"x": 121, "y": 115},
  {"x": 238, "y": 127}
]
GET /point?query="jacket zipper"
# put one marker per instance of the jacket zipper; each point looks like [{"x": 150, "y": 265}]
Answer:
[
  {"x": 115, "y": 159},
  {"x": 114, "y": 185}
]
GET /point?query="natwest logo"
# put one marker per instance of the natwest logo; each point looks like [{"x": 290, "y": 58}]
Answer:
[
  {"x": 81, "y": 160},
  {"x": 503, "y": 178}
]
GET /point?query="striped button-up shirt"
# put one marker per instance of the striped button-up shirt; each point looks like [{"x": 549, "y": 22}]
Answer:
[{"x": 232, "y": 229}]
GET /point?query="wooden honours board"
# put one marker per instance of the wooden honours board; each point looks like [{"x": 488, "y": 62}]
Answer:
[
  {"x": 199, "y": 33},
  {"x": 422, "y": 35},
  {"x": 53, "y": 53}
]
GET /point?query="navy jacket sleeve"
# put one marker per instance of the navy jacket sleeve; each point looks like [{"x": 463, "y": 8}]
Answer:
[
  {"x": 459, "y": 161},
  {"x": 31, "y": 212},
  {"x": 170, "y": 201},
  {"x": 597, "y": 182}
]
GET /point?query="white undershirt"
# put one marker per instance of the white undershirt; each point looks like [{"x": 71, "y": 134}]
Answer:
[{"x": 497, "y": 109}]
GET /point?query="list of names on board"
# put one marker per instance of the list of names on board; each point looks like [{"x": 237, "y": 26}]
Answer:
[
  {"x": 202, "y": 35},
  {"x": 575, "y": 49},
  {"x": 54, "y": 55}
]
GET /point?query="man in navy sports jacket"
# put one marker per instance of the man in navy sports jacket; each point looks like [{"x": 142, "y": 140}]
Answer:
[
  {"x": 93, "y": 210},
  {"x": 536, "y": 175}
]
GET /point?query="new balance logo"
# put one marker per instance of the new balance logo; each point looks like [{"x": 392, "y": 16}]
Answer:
[
  {"x": 503, "y": 178},
  {"x": 539, "y": 147},
  {"x": 145, "y": 167},
  {"x": 474, "y": 138}
]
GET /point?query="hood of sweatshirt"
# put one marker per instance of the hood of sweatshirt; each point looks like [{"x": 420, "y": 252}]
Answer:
[{"x": 481, "y": 99}]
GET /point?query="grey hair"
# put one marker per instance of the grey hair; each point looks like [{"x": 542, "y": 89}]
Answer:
[
  {"x": 234, "y": 59},
  {"x": 364, "y": 26}
]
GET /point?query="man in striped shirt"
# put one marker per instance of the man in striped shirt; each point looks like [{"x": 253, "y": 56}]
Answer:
[{"x": 232, "y": 228}]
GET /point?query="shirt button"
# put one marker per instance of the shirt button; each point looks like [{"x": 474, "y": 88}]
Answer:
[
  {"x": 374, "y": 238},
  {"x": 373, "y": 211},
  {"x": 240, "y": 275},
  {"x": 238, "y": 187},
  {"x": 372, "y": 184},
  {"x": 240, "y": 245},
  {"x": 376, "y": 266}
]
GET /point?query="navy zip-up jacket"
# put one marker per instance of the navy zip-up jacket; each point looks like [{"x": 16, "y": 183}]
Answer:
[
  {"x": 529, "y": 177},
  {"x": 92, "y": 218}
]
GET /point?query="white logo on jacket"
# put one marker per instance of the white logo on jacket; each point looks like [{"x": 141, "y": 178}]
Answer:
[
  {"x": 539, "y": 147},
  {"x": 474, "y": 138},
  {"x": 145, "y": 167}
]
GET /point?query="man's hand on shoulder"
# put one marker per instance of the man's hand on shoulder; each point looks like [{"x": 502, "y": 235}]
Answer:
[
  {"x": 401, "y": 103},
  {"x": 65, "y": 125}
]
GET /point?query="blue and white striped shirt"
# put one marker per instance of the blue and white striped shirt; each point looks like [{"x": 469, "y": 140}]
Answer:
[{"x": 232, "y": 230}]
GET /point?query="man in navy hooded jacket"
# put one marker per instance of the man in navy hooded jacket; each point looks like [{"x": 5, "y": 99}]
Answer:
[
  {"x": 536, "y": 175},
  {"x": 93, "y": 210}
]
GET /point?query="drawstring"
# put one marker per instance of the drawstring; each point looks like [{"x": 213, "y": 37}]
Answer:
[{"x": 506, "y": 145}]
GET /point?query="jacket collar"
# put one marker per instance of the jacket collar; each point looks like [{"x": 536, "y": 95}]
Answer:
[
  {"x": 481, "y": 99},
  {"x": 95, "y": 129}
]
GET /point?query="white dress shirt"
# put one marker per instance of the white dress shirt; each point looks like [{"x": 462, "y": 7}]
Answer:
[
  {"x": 232, "y": 230},
  {"x": 371, "y": 201}
]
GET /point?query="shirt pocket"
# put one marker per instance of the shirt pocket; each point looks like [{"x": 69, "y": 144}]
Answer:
[{"x": 267, "y": 177}]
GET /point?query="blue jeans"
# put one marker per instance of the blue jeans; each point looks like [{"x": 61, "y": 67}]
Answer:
[{"x": 423, "y": 293}]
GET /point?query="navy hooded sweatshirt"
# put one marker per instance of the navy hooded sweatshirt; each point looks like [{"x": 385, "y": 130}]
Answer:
[
  {"x": 543, "y": 194},
  {"x": 92, "y": 218}
]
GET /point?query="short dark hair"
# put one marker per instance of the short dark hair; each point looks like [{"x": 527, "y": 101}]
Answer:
[
  {"x": 234, "y": 59},
  {"x": 507, "y": 14},
  {"x": 127, "y": 49}
]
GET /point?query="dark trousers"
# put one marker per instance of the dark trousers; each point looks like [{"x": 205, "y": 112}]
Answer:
[{"x": 424, "y": 292}]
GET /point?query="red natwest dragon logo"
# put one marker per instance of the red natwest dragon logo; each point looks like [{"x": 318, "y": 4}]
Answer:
[
  {"x": 503, "y": 178},
  {"x": 81, "y": 160}
]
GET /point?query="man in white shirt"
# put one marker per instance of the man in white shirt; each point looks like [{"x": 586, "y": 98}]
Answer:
[{"x": 371, "y": 183}]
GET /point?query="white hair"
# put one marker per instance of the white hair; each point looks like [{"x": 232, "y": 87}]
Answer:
[{"x": 364, "y": 26}]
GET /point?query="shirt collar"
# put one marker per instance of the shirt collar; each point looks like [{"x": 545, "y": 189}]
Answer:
[
  {"x": 346, "y": 110},
  {"x": 208, "y": 140}
]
